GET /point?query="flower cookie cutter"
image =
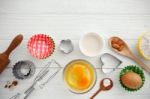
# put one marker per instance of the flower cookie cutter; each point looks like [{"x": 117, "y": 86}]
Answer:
[
  {"x": 66, "y": 46},
  {"x": 109, "y": 62}
]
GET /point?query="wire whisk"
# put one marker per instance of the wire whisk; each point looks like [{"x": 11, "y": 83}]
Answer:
[{"x": 43, "y": 77}]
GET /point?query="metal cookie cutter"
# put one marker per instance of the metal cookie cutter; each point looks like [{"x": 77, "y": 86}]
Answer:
[
  {"x": 24, "y": 69},
  {"x": 66, "y": 46},
  {"x": 109, "y": 63}
]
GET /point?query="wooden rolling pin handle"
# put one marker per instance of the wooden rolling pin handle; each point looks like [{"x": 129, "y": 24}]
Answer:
[
  {"x": 144, "y": 66},
  {"x": 16, "y": 41}
]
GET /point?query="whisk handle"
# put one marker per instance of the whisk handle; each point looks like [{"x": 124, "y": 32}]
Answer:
[{"x": 29, "y": 91}]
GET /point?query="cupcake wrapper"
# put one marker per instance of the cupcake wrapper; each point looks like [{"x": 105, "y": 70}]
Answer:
[
  {"x": 135, "y": 69},
  {"x": 41, "y": 46}
]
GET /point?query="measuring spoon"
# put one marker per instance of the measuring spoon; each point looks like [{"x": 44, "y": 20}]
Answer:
[{"x": 103, "y": 87}]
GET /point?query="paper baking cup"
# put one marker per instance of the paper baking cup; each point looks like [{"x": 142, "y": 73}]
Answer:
[
  {"x": 135, "y": 69},
  {"x": 41, "y": 46}
]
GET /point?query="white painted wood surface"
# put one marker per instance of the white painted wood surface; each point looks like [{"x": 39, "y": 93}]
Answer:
[{"x": 64, "y": 19}]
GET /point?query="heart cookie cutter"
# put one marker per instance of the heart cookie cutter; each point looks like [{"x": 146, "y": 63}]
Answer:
[
  {"x": 66, "y": 46},
  {"x": 112, "y": 61}
]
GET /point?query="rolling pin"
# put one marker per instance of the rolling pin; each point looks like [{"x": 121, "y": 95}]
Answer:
[{"x": 4, "y": 57}]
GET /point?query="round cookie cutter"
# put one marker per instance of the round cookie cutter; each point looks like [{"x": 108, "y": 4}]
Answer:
[
  {"x": 112, "y": 62},
  {"x": 24, "y": 69},
  {"x": 66, "y": 46}
]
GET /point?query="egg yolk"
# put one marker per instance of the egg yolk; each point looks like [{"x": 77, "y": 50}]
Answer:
[
  {"x": 83, "y": 82},
  {"x": 78, "y": 70}
]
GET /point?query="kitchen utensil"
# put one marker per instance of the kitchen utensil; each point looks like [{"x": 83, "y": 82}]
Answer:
[
  {"x": 42, "y": 78},
  {"x": 79, "y": 76},
  {"x": 66, "y": 46},
  {"x": 41, "y": 46},
  {"x": 125, "y": 51},
  {"x": 17, "y": 96},
  {"x": 4, "y": 57},
  {"x": 91, "y": 44},
  {"x": 103, "y": 87},
  {"x": 24, "y": 69},
  {"x": 109, "y": 62}
]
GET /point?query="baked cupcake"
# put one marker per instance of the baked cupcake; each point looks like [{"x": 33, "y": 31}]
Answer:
[{"x": 132, "y": 78}]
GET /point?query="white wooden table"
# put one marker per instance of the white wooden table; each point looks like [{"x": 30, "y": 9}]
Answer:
[{"x": 64, "y": 19}]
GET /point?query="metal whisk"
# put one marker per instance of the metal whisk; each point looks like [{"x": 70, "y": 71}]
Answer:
[{"x": 42, "y": 78}]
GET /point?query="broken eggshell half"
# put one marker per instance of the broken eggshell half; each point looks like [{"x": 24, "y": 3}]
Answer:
[
  {"x": 66, "y": 46},
  {"x": 109, "y": 63}
]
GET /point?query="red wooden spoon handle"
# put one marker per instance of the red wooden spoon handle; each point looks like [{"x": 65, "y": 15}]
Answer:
[{"x": 96, "y": 93}]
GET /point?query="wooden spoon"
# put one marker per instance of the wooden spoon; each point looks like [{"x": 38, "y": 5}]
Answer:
[
  {"x": 4, "y": 57},
  {"x": 127, "y": 52},
  {"x": 102, "y": 87}
]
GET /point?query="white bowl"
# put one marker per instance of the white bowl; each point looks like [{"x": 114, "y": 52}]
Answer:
[{"x": 91, "y": 44}]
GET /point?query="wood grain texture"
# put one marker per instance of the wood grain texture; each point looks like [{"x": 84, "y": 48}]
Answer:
[{"x": 63, "y": 19}]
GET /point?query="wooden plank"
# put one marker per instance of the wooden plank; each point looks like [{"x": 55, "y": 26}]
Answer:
[
  {"x": 33, "y": 7},
  {"x": 74, "y": 26},
  {"x": 64, "y": 19}
]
